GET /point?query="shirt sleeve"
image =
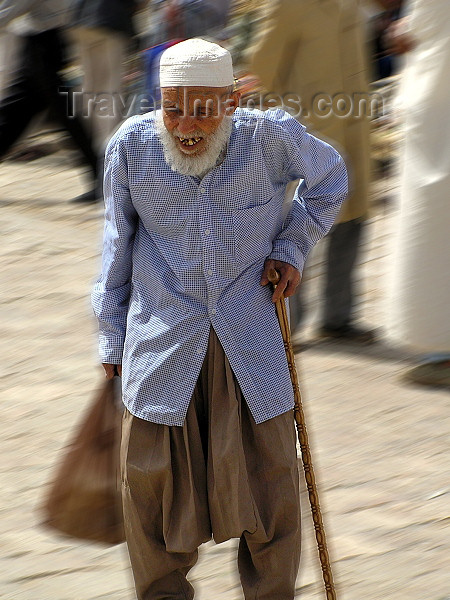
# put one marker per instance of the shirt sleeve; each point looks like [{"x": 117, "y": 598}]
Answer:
[
  {"x": 111, "y": 293},
  {"x": 318, "y": 197}
]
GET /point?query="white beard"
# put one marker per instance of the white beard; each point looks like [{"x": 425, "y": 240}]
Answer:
[{"x": 192, "y": 164}]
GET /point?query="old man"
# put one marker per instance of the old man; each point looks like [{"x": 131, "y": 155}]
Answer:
[{"x": 194, "y": 220}]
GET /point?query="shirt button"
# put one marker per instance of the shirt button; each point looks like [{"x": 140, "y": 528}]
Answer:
[
  {"x": 207, "y": 231},
  {"x": 203, "y": 190},
  {"x": 209, "y": 272},
  {"x": 214, "y": 311},
  {"x": 199, "y": 351}
]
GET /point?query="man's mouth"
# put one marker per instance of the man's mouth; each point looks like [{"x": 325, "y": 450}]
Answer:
[{"x": 189, "y": 142}]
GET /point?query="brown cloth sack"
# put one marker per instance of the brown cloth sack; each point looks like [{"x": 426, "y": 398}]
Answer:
[{"x": 84, "y": 499}]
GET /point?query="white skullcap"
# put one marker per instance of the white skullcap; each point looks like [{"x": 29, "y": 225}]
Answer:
[{"x": 196, "y": 62}]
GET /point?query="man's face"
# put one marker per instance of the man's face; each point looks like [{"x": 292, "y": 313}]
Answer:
[{"x": 193, "y": 114}]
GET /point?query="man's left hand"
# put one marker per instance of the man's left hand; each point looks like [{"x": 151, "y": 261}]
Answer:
[{"x": 289, "y": 278}]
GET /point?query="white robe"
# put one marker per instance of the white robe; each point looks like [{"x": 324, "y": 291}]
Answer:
[{"x": 419, "y": 298}]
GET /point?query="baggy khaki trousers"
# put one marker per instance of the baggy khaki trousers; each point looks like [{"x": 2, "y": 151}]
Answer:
[{"x": 221, "y": 476}]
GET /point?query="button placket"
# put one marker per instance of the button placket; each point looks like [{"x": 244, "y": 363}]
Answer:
[{"x": 208, "y": 256}]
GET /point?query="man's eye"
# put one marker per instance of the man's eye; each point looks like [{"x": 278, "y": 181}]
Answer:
[
  {"x": 172, "y": 110},
  {"x": 203, "y": 113}
]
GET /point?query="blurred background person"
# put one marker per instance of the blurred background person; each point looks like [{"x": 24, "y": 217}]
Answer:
[
  {"x": 193, "y": 18},
  {"x": 9, "y": 54},
  {"x": 222, "y": 9},
  {"x": 102, "y": 30},
  {"x": 244, "y": 19},
  {"x": 173, "y": 17},
  {"x": 381, "y": 53},
  {"x": 418, "y": 314},
  {"x": 35, "y": 83},
  {"x": 310, "y": 47},
  {"x": 154, "y": 24},
  {"x": 204, "y": 17},
  {"x": 379, "y": 23}
]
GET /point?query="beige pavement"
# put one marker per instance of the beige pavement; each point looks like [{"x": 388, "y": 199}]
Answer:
[{"x": 380, "y": 446}]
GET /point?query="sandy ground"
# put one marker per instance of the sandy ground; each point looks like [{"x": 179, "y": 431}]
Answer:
[{"x": 380, "y": 446}]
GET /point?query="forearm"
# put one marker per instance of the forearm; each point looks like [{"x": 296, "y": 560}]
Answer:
[
  {"x": 111, "y": 309},
  {"x": 111, "y": 293},
  {"x": 316, "y": 203}
]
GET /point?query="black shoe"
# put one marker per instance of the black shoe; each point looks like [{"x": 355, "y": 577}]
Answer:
[
  {"x": 86, "y": 198},
  {"x": 349, "y": 333}
]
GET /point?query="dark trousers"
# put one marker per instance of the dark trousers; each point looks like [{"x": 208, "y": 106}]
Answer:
[
  {"x": 341, "y": 256},
  {"x": 34, "y": 89}
]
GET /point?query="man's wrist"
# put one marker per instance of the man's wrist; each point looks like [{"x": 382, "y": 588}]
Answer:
[{"x": 288, "y": 252}]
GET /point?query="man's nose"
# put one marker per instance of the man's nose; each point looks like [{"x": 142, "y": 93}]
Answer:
[{"x": 187, "y": 124}]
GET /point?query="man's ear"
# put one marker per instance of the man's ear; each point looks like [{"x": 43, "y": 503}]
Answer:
[{"x": 231, "y": 103}]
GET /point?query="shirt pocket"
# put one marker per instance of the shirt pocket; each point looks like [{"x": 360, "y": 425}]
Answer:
[{"x": 253, "y": 228}]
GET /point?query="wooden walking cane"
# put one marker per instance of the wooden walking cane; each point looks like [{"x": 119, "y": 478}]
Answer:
[{"x": 299, "y": 416}]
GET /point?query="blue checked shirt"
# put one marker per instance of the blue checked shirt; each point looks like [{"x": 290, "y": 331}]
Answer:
[{"x": 182, "y": 255}]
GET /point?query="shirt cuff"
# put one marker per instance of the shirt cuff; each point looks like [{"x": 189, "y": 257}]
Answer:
[
  {"x": 110, "y": 350},
  {"x": 288, "y": 251}
]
